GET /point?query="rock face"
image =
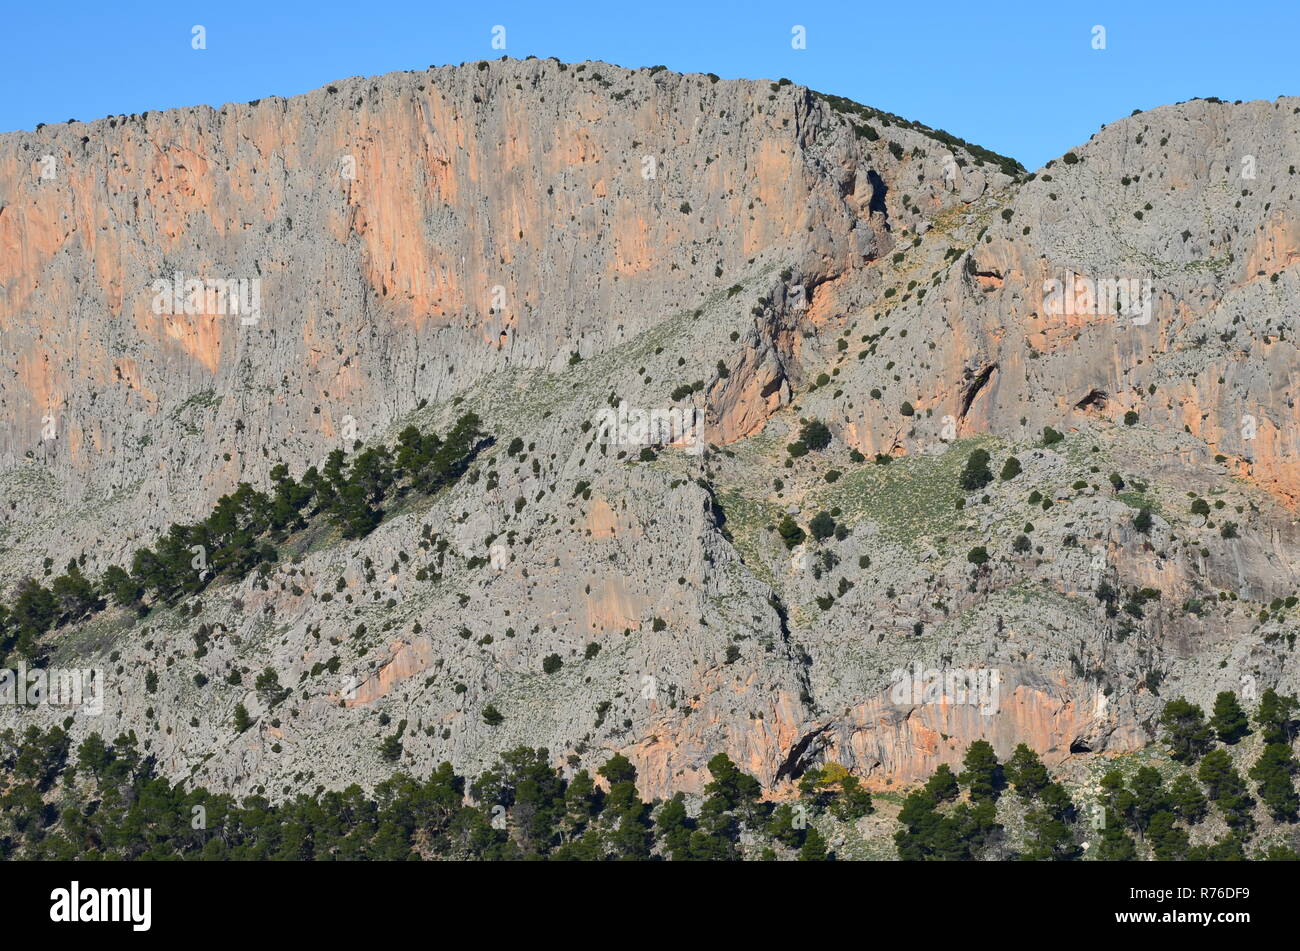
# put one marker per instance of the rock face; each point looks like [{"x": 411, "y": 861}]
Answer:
[
  {"x": 541, "y": 243},
  {"x": 412, "y": 235}
]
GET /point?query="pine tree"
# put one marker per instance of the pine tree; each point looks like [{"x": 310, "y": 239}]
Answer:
[
  {"x": 708, "y": 848},
  {"x": 815, "y": 435},
  {"x": 268, "y": 687},
  {"x": 1280, "y": 853},
  {"x": 790, "y": 532},
  {"x": 853, "y": 802},
  {"x": 673, "y": 828},
  {"x": 1115, "y": 844},
  {"x": 411, "y": 457},
  {"x": 1050, "y": 836},
  {"x": 582, "y": 803},
  {"x": 1236, "y": 804},
  {"x": 785, "y": 827},
  {"x": 1169, "y": 843},
  {"x": 390, "y": 748},
  {"x": 921, "y": 822},
  {"x": 1149, "y": 797},
  {"x": 1227, "y": 849},
  {"x": 1275, "y": 717},
  {"x": 629, "y": 841},
  {"x": 626, "y": 816},
  {"x": 732, "y": 797},
  {"x": 1213, "y": 772},
  {"x": 35, "y": 609},
  {"x": 1228, "y": 719},
  {"x": 1142, "y": 521},
  {"x": 814, "y": 847},
  {"x": 93, "y": 755},
  {"x": 822, "y": 526},
  {"x": 948, "y": 843},
  {"x": 737, "y": 790},
  {"x": 1187, "y": 799},
  {"x": 1186, "y": 732},
  {"x": 977, "y": 473},
  {"x": 1026, "y": 772},
  {"x": 1115, "y": 797},
  {"x": 1274, "y": 771},
  {"x": 942, "y": 786},
  {"x": 979, "y": 826},
  {"x": 618, "y": 769},
  {"x": 123, "y": 589},
  {"x": 982, "y": 775},
  {"x": 75, "y": 595}
]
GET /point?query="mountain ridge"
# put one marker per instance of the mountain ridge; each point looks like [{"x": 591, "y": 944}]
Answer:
[{"x": 775, "y": 244}]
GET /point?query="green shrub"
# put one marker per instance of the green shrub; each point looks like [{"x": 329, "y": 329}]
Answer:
[
  {"x": 1142, "y": 520},
  {"x": 790, "y": 532},
  {"x": 977, "y": 474},
  {"x": 822, "y": 525},
  {"x": 390, "y": 748},
  {"x": 815, "y": 435}
]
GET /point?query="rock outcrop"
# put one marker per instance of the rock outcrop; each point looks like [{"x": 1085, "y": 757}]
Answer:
[{"x": 540, "y": 243}]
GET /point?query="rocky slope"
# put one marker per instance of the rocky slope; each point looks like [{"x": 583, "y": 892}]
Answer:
[{"x": 540, "y": 243}]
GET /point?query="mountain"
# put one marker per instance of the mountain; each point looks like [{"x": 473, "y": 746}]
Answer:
[{"x": 559, "y": 248}]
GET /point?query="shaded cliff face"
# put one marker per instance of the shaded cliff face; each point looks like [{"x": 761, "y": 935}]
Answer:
[{"x": 541, "y": 243}]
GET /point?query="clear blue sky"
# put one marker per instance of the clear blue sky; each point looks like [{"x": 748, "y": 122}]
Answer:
[{"x": 1019, "y": 78}]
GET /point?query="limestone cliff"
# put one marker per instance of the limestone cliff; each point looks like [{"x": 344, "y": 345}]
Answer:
[{"x": 542, "y": 242}]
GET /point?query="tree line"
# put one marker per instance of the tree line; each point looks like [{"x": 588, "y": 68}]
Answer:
[
  {"x": 105, "y": 800},
  {"x": 956, "y": 816},
  {"x": 244, "y": 532}
]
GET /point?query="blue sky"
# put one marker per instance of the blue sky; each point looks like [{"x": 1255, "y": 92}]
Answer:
[{"x": 1019, "y": 78}]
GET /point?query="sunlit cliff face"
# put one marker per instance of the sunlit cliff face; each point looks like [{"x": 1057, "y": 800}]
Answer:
[{"x": 542, "y": 244}]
